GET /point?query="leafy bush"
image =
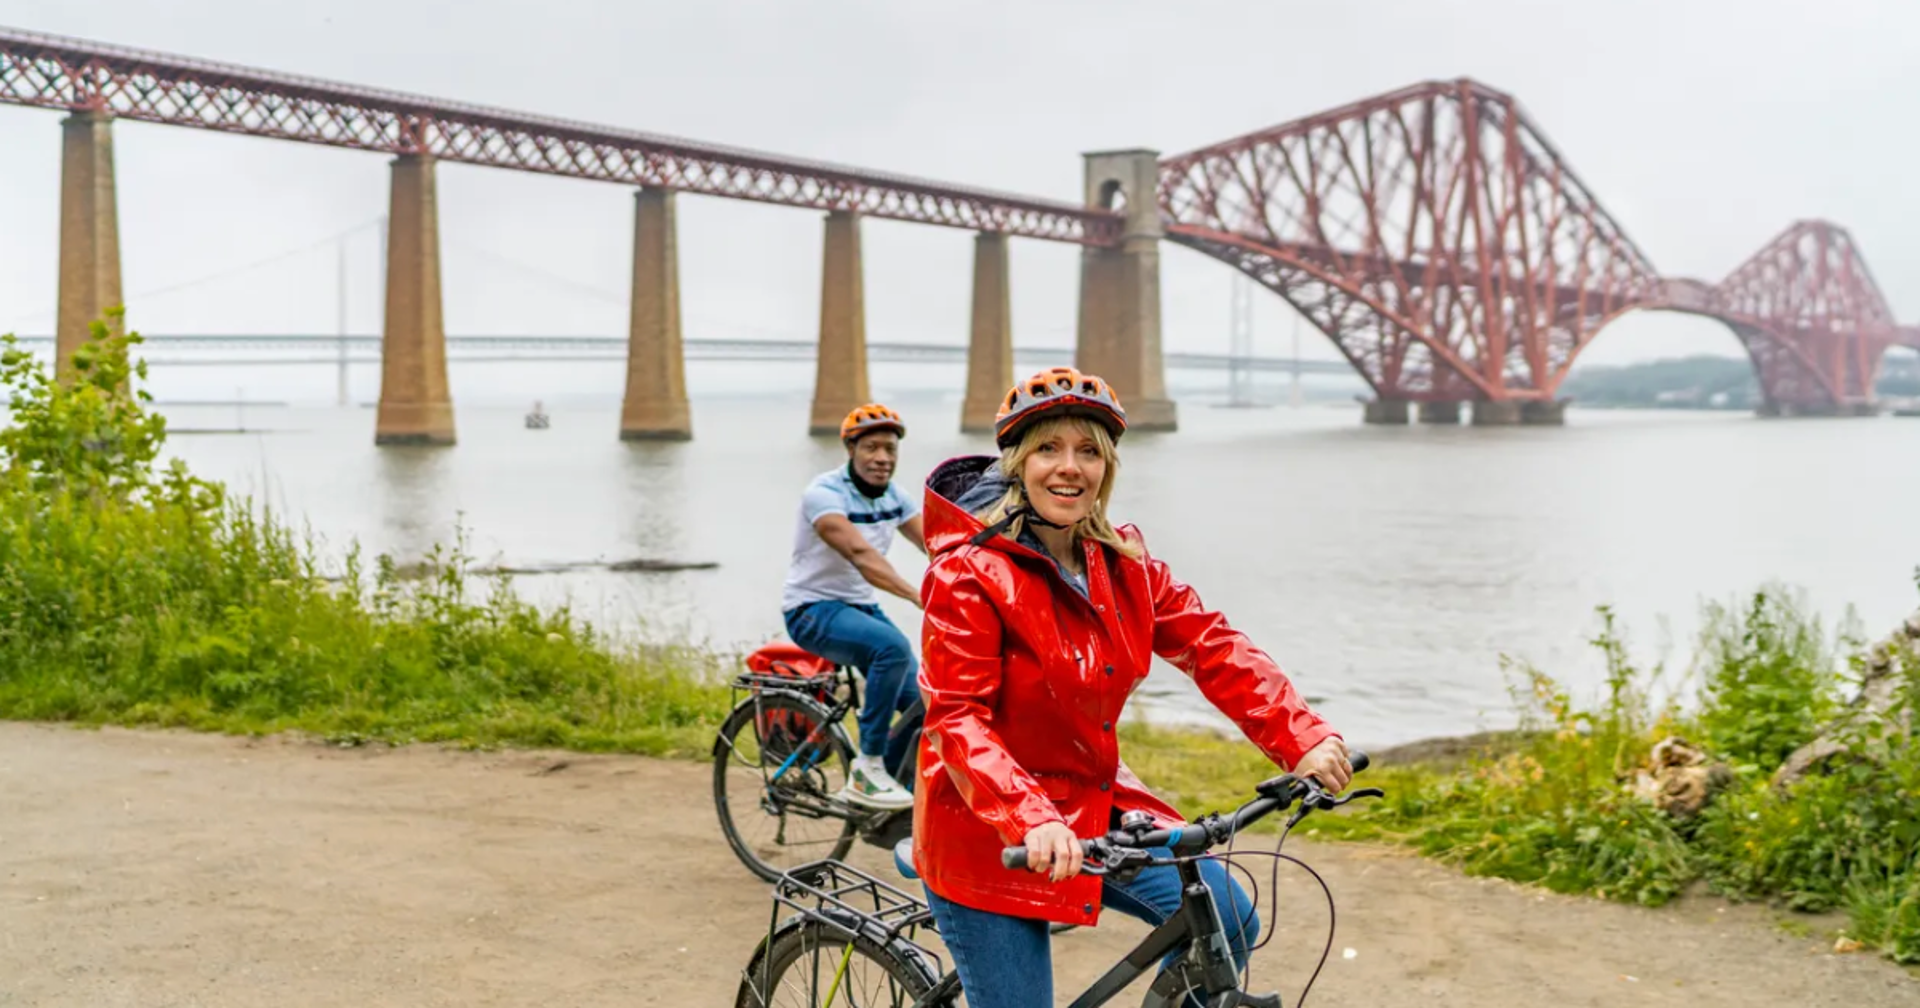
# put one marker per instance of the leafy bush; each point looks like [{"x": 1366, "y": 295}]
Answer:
[
  {"x": 1556, "y": 804},
  {"x": 141, "y": 597},
  {"x": 1770, "y": 682}
]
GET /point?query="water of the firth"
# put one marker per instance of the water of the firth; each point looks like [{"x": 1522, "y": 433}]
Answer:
[{"x": 1387, "y": 569}]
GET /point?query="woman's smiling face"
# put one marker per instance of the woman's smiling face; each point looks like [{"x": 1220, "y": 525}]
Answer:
[{"x": 1064, "y": 473}]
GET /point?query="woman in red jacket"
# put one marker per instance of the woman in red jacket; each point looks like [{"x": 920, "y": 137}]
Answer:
[{"x": 1041, "y": 618}]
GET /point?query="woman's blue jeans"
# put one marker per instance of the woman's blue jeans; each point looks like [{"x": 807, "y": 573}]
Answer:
[
  {"x": 1007, "y": 962},
  {"x": 862, "y": 636}
]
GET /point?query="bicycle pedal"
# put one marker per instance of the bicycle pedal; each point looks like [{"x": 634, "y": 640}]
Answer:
[{"x": 1254, "y": 1000}]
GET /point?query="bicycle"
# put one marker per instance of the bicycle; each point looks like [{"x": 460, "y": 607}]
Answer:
[
  {"x": 843, "y": 917},
  {"x": 783, "y": 754}
]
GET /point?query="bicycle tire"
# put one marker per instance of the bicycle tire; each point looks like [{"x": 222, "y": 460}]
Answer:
[
  {"x": 790, "y": 712},
  {"x": 908, "y": 979}
]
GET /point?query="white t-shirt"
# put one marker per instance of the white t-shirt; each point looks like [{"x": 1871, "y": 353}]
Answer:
[{"x": 817, "y": 573}]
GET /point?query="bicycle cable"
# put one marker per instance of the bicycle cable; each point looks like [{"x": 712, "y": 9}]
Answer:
[
  {"x": 1333, "y": 913},
  {"x": 1278, "y": 855},
  {"x": 1253, "y": 885}
]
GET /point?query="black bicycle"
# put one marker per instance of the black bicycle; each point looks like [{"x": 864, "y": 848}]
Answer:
[
  {"x": 852, "y": 939},
  {"x": 782, "y": 758}
]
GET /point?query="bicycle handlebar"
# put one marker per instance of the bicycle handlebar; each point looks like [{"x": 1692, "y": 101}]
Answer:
[{"x": 1197, "y": 837}]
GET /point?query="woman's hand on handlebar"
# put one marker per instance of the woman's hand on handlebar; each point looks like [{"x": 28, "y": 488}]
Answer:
[
  {"x": 1053, "y": 848},
  {"x": 1329, "y": 763}
]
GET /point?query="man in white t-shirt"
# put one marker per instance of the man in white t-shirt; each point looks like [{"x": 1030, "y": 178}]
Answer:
[{"x": 847, "y": 520}]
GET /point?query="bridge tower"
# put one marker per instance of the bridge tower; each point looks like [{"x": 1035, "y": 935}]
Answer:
[
  {"x": 990, "y": 343},
  {"x": 1119, "y": 330},
  {"x": 415, "y": 405},
  {"x": 89, "y": 232},
  {"x": 654, "y": 407},
  {"x": 840, "y": 366}
]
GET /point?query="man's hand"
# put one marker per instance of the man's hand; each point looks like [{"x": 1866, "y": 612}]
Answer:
[
  {"x": 1053, "y": 848},
  {"x": 1327, "y": 762}
]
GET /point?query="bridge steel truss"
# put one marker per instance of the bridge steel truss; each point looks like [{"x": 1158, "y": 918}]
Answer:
[
  {"x": 1433, "y": 233},
  {"x": 1812, "y": 317},
  {"x": 55, "y": 72},
  {"x": 1449, "y": 251},
  {"x": 297, "y": 350}
]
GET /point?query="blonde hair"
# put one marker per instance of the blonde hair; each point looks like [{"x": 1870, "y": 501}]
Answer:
[{"x": 1095, "y": 526}]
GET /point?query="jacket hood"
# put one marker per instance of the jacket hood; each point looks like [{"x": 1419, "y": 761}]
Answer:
[{"x": 955, "y": 489}]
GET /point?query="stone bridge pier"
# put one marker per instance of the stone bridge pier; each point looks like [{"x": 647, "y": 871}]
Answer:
[
  {"x": 1119, "y": 325},
  {"x": 89, "y": 233}
]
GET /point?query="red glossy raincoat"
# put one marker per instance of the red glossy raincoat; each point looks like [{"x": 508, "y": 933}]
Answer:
[{"x": 1024, "y": 680}]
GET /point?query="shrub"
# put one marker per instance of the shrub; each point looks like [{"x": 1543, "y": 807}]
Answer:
[{"x": 137, "y": 596}]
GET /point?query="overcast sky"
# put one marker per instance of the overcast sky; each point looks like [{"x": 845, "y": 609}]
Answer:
[{"x": 1705, "y": 127}]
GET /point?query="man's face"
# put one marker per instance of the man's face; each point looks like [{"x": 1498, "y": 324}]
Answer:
[{"x": 874, "y": 456}]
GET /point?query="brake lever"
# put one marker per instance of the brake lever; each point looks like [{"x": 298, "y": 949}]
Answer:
[
  {"x": 1318, "y": 798},
  {"x": 1365, "y": 792},
  {"x": 1102, "y": 851},
  {"x": 1110, "y": 858}
]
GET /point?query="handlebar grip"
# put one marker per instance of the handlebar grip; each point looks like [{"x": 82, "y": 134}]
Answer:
[{"x": 1015, "y": 858}]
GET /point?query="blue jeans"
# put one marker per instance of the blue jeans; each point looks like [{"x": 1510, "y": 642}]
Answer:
[
  {"x": 862, "y": 636},
  {"x": 1007, "y": 962}
]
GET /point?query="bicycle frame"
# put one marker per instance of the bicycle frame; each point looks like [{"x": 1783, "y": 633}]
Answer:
[
  {"x": 1206, "y": 968},
  {"x": 812, "y": 743},
  {"x": 831, "y": 697},
  {"x": 1209, "y": 962},
  {"x": 758, "y": 685},
  {"x": 851, "y": 902}
]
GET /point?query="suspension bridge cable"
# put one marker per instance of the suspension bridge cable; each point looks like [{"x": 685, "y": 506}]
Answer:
[{"x": 227, "y": 274}]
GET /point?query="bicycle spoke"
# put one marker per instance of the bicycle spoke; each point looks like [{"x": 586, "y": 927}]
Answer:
[
  {"x": 835, "y": 975},
  {"x": 839, "y": 976},
  {"x": 779, "y": 822}
]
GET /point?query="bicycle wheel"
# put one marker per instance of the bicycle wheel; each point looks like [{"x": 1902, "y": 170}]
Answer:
[
  {"x": 774, "y": 791},
  {"x": 816, "y": 966}
]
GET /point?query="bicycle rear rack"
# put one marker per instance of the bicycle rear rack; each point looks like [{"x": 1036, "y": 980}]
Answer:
[
  {"x": 813, "y": 686},
  {"x": 852, "y": 900}
]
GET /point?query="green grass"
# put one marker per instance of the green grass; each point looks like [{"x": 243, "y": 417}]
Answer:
[
  {"x": 1552, "y": 804},
  {"x": 135, "y": 596},
  {"x": 219, "y": 621}
]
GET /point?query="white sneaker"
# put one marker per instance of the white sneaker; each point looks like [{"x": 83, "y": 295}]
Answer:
[{"x": 869, "y": 785}]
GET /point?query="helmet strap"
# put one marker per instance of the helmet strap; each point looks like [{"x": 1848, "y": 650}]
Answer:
[
  {"x": 1024, "y": 509},
  {"x": 1033, "y": 518}
]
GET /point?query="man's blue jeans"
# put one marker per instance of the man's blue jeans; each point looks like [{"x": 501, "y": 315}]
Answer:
[
  {"x": 1007, "y": 962},
  {"x": 862, "y": 636}
]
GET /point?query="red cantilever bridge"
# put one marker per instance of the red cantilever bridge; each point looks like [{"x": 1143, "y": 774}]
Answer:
[
  {"x": 1433, "y": 234},
  {"x": 1451, "y": 253}
]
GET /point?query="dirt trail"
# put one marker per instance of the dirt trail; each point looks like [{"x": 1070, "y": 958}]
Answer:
[{"x": 161, "y": 868}]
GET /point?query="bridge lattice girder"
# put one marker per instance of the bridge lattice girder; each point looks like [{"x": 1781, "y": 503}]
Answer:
[
  {"x": 57, "y": 72},
  {"x": 1433, "y": 234},
  {"x": 1824, "y": 323},
  {"x": 1446, "y": 248}
]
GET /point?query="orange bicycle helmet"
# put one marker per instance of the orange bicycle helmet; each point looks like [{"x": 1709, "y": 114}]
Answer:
[
  {"x": 1060, "y": 391},
  {"x": 869, "y": 418}
]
